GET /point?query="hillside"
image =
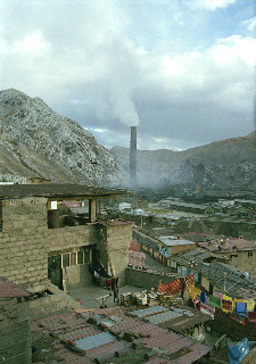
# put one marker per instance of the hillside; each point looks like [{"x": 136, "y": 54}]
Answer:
[
  {"x": 225, "y": 164},
  {"x": 36, "y": 141}
]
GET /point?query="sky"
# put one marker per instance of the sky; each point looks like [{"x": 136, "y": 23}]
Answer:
[{"x": 183, "y": 71}]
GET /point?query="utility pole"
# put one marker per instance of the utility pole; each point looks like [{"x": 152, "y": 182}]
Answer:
[{"x": 224, "y": 281}]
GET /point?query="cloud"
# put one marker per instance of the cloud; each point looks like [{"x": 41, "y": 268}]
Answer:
[
  {"x": 108, "y": 66},
  {"x": 210, "y": 5},
  {"x": 31, "y": 43},
  {"x": 250, "y": 24}
]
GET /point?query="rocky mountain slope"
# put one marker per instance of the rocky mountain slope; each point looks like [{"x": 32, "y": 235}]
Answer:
[
  {"x": 36, "y": 141},
  {"x": 224, "y": 164}
]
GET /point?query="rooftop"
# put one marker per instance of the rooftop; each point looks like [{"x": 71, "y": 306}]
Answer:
[
  {"x": 10, "y": 290},
  {"x": 229, "y": 244},
  {"x": 109, "y": 335},
  {"x": 167, "y": 240},
  {"x": 57, "y": 191},
  {"x": 236, "y": 285}
]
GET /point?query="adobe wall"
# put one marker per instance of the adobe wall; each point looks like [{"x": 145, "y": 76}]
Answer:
[
  {"x": 114, "y": 243},
  {"x": 70, "y": 237},
  {"x": 26, "y": 242},
  {"x": 182, "y": 248},
  {"x": 56, "y": 303},
  {"x": 23, "y": 243},
  {"x": 244, "y": 260},
  {"x": 15, "y": 334},
  {"x": 147, "y": 279},
  {"x": 76, "y": 276}
]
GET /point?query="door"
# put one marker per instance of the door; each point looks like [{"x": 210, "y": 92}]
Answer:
[{"x": 55, "y": 271}]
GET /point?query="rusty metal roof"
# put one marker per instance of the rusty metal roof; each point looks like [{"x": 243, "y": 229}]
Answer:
[
  {"x": 56, "y": 191},
  {"x": 103, "y": 346},
  {"x": 10, "y": 290}
]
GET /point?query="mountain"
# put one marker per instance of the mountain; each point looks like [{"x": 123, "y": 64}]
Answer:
[
  {"x": 225, "y": 164},
  {"x": 35, "y": 141}
]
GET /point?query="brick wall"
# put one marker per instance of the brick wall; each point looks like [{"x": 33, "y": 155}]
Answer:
[{"x": 15, "y": 335}]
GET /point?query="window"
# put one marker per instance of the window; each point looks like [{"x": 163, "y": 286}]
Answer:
[
  {"x": 73, "y": 259},
  {"x": 87, "y": 255},
  {"x": 250, "y": 254},
  {"x": 65, "y": 260},
  {"x": 80, "y": 257}
]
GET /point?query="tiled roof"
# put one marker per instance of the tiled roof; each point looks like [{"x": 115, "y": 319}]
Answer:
[{"x": 10, "y": 290}]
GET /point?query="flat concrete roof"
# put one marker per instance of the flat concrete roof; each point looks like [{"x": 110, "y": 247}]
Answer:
[
  {"x": 57, "y": 191},
  {"x": 173, "y": 242}
]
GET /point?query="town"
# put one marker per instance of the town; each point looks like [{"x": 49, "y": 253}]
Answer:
[{"x": 93, "y": 275}]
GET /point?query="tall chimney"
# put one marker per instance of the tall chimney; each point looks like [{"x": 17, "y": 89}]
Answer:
[{"x": 133, "y": 157}]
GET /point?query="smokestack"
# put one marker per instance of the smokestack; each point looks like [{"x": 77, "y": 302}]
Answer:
[{"x": 133, "y": 157}]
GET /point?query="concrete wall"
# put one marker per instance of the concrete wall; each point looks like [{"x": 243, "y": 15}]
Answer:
[
  {"x": 77, "y": 276},
  {"x": 147, "y": 279},
  {"x": 15, "y": 334}
]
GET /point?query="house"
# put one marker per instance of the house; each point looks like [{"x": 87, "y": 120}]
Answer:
[
  {"x": 227, "y": 279},
  {"x": 169, "y": 245},
  {"x": 191, "y": 262},
  {"x": 239, "y": 252},
  {"x": 46, "y": 258}
]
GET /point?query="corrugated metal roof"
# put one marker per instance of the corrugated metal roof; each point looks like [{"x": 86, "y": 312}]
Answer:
[
  {"x": 149, "y": 311},
  {"x": 162, "y": 317},
  {"x": 74, "y": 325},
  {"x": 10, "y": 290},
  {"x": 94, "y": 341}
]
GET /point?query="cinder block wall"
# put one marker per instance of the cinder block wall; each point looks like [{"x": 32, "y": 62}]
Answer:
[
  {"x": 23, "y": 243},
  {"x": 15, "y": 334}
]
